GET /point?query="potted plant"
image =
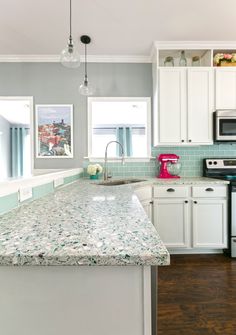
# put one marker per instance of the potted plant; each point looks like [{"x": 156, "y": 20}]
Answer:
[{"x": 93, "y": 170}]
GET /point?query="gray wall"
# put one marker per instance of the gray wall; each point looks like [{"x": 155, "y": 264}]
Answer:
[
  {"x": 5, "y": 149},
  {"x": 51, "y": 83}
]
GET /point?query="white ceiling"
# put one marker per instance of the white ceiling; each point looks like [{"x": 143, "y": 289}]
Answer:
[{"x": 117, "y": 27}]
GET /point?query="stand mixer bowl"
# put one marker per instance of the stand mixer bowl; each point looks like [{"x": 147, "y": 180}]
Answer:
[{"x": 174, "y": 168}]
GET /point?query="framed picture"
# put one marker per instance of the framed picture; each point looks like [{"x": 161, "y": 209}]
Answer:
[{"x": 54, "y": 131}]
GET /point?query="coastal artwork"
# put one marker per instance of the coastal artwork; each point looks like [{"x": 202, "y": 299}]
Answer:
[{"x": 54, "y": 131}]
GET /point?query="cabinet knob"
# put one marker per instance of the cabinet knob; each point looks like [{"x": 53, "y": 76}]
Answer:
[
  {"x": 209, "y": 189},
  {"x": 186, "y": 201},
  {"x": 190, "y": 140},
  {"x": 151, "y": 202},
  {"x": 170, "y": 190},
  {"x": 182, "y": 140},
  {"x": 195, "y": 202}
]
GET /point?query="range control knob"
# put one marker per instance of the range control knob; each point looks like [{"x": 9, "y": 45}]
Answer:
[
  {"x": 215, "y": 163},
  {"x": 210, "y": 163}
]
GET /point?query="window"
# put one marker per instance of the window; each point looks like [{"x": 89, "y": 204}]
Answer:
[{"x": 126, "y": 120}]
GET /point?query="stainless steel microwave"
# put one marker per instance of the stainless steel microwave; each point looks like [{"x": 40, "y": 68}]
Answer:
[{"x": 225, "y": 125}]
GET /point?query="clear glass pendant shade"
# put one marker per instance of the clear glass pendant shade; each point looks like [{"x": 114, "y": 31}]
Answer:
[
  {"x": 70, "y": 56},
  {"x": 86, "y": 88}
]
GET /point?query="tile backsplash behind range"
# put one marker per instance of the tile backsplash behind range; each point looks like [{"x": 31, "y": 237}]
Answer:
[{"x": 190, "y": 157}]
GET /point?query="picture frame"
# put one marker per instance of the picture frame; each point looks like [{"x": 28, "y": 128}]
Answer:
[{"x": 54, "y": 131}]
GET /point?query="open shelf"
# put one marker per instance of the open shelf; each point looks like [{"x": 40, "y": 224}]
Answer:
[
  {"x": 204, "y": 56},
  {"x": 224, "y": 51}
]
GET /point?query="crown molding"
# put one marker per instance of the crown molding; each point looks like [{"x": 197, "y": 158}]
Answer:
[
  {"x": 194, "y": 44},
  {"x": 90, "y": 59}
]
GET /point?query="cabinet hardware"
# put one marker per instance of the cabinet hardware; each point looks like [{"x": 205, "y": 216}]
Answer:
[
  {"x": 182, "y": 140},
  {"x": 234, "y": 240},
  {"x": 151, "y": 202},
  {"x": 209, "y": 189},
  {"x": 190, "y": 140},
  {"x": 186, "y": 201},
  {"x": 195, "y": 202},
  {"x": 170, "y": 190}
]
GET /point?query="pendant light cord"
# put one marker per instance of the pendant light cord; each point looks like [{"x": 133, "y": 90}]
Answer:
[
  {"x": 85, "y": 64},
  {"x": 70, "y": 22}
]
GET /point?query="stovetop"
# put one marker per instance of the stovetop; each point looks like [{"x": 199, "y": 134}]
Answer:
[{"x": 220, "y": 168}]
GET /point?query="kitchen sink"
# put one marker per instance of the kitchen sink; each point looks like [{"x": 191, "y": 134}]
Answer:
[{"x": 120, "y": 182}]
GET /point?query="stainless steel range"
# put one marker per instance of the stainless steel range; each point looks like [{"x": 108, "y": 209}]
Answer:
[{"x": 225, "y": 168}]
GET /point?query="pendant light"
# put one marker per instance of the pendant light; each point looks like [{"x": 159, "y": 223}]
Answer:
[
  {"x": 70, "y": 55},
  {"x": 85, "y": 88}
]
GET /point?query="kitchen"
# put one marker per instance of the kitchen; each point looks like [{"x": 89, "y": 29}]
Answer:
[{"x": 39, "y": 74}]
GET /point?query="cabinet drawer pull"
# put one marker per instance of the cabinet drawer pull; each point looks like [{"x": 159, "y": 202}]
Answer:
[
  {"x": 170, "y": 190},
  {"x": 151, "y": 202},
  {"x": 209, "y": 189},
  {"x": 186, "y": 201},
  {"x": 182, "y": 140},
  {"x": 195, "y": 202},
  {"x": 190, "y": 140}
]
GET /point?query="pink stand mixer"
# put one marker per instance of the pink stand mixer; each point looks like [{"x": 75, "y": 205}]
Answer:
[{"x": 165, "y": 161}]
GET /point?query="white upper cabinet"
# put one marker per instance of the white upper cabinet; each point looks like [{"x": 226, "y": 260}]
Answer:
[
  {"x": 200, "y": 105},
  {"x": 185, "y": 97},
  {"x": 172, "y": 105},
  {"x": 225, "y": 88},
  {"x": 185, "y": 106}
]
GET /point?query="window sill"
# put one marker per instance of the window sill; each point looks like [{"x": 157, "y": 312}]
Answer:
[{"x": 118, "y": 159}]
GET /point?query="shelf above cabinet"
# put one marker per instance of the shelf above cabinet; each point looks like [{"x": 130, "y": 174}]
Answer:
[{"x": 204, "y": 56}]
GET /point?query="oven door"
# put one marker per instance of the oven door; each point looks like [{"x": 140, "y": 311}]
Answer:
[{"x": 225, "y": 129}]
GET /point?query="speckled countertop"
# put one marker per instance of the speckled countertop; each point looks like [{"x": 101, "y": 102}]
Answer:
[
  {"x": 81, "y": 224},
  {"x": 185, "y": 181}
]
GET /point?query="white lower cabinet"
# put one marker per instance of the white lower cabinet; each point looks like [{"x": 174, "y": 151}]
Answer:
[
  {"x": 147, "y": 206},
  {"x": 144, "y": 194},
  {"x": 186, "y": 222},
  {"x": 171, "y": 218},
  {"x": 209, "y": 223}
]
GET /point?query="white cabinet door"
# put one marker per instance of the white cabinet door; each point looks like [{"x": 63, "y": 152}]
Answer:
[
  {"x": 225, "y": 88},
  {"x": 147, "y": 206},
  {"x": 200, "y": 105},
  {"x": 171, "y": 219},
  {"x": 171, "y": 106},
  {"x": 209, "y": 223}
]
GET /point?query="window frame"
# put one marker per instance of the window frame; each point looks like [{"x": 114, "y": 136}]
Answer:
[{"x": 118, "y": 99}]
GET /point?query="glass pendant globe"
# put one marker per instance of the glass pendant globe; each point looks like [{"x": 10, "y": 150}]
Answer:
[
  {"x": 70, "y": 57},
  {"x": 86, "y": 89}
]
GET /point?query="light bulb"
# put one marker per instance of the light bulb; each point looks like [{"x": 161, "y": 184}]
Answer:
[
  {"x": 70, "y": 56},
  {"x": 86, "y": 88}
]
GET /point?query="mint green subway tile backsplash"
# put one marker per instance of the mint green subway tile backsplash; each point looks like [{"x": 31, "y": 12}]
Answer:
[
  {"x": 190, "y": 157},
  {"x": 8, "y": 202},
  {"x": 42, "y": 190}
]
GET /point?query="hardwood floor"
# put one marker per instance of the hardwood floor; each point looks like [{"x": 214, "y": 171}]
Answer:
[{"x": 197, "y": 295}]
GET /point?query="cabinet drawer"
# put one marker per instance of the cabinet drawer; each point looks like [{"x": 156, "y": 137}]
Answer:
[
  {"x": 144, "y": 193},
  {"x": 209, "y": 191},
  {"x": 171, "y": 191}
]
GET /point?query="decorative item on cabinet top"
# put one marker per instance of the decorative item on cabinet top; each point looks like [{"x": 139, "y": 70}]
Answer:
[
  {"x": 227, "y": 58},
  {"x": 184, "y": 58}
]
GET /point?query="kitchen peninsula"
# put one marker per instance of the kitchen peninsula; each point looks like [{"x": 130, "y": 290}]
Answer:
[{"x": 87, "y": 255}]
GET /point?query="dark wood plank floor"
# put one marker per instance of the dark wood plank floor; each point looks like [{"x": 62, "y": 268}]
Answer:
[{"x": 197, "y": 295}]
